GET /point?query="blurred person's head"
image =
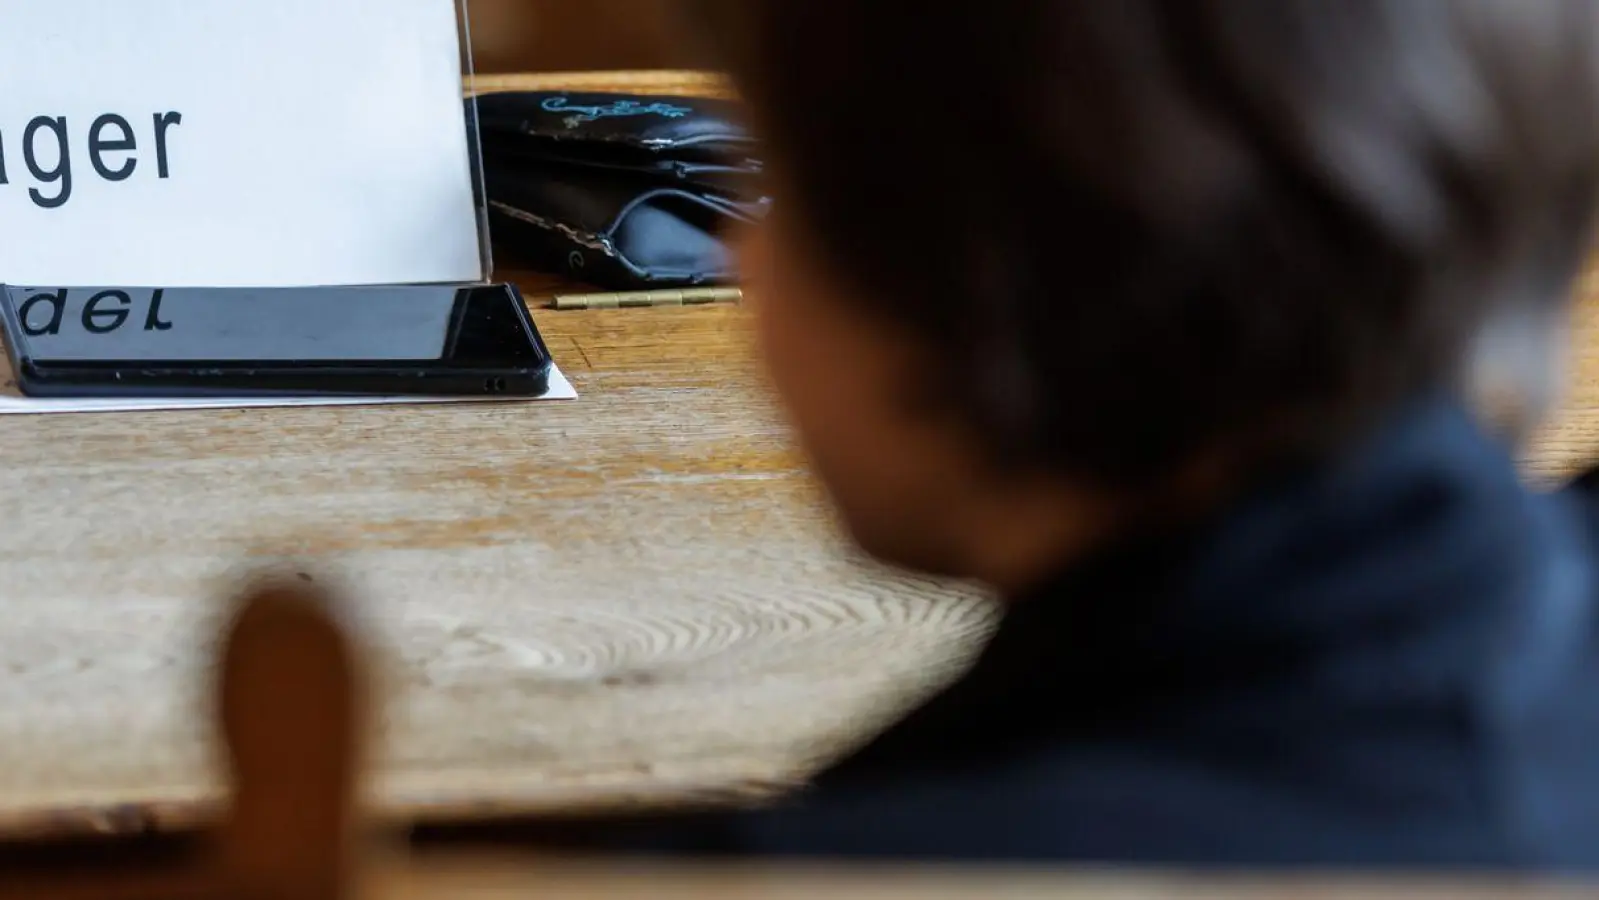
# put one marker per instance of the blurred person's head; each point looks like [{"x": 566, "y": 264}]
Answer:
[{"x": 1041, "y": 270}]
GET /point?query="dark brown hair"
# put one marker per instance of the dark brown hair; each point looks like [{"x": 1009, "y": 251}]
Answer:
[{"x": 1156, "y": 228}]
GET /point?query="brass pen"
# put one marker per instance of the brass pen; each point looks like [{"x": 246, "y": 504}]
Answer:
[{"x": 639, "y": 299}]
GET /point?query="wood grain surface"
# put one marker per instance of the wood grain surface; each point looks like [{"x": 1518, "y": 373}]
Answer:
[
  {"x": 634, "y": 594},
  {"x": 635, "y": 598}
]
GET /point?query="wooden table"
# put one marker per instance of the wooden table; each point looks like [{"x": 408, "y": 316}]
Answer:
[
  {"x": 629, "y": 598},
  {"x": 636, "y": 597}
]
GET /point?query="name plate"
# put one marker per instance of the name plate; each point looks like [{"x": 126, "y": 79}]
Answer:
[{"x": 258, "y": 143}]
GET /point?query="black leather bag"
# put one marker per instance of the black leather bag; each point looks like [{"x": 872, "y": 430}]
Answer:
[{"x": 624, "y": 192}]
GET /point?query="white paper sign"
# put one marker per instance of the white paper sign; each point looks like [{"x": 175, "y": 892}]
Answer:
[{"x": 263, "y": 143}]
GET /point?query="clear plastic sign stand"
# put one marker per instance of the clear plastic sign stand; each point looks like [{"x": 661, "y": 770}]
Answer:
[{"x": 474, "y": 138}]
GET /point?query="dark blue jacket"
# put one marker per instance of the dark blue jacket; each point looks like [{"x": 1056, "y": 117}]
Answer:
[{"x": 1387, "y": 661}]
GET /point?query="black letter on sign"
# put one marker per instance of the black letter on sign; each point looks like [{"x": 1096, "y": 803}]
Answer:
[
  {"x": 125, "y": 144},
  {"x": 3, "y": 163},
  {"x": 63, "y": 170},
  {"x": 58, "y": 306},
  {"x": 152, "y": 322},
  {"x": 163, "y": 121},
  {"x": 92, "y": 314}
]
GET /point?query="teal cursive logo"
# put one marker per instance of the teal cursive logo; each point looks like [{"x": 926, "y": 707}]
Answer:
[{"x": 619, "y": 109}]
